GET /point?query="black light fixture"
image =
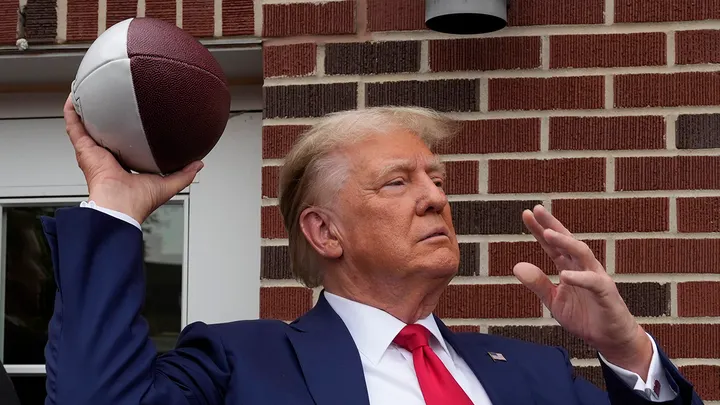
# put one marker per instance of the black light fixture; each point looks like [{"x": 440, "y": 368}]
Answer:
[{"x": 465, "y": 17}]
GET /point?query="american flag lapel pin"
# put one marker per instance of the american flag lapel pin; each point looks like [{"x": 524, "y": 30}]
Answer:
[{"x": 497, "y": 356}]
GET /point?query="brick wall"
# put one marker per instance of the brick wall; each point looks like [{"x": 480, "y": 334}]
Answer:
[
  {"x": 607, "y": 112},
  {"x": 77, "y": 21}
]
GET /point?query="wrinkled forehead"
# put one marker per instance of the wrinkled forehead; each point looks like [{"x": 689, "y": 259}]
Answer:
[
  {"x": 380, "y": 154},
  {"x": 426, "y": 163}
]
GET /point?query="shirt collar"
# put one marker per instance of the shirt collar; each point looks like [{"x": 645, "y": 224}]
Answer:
[{"x": 373, "y": 329}]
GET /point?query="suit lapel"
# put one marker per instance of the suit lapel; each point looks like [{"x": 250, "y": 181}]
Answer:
[
  {"x": 328, "y": 357},
  {"x": 504, "y": 381}
]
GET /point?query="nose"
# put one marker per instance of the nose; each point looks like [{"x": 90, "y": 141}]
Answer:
[{"x": 431, "y": 198}]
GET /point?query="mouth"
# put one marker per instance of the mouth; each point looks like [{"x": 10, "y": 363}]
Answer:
[{"x": 436, "y": 233}]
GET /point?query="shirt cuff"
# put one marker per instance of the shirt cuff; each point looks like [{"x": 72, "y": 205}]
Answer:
[
  {"x": 657, "y": 388},
  {"x": 116, "y": 214}
]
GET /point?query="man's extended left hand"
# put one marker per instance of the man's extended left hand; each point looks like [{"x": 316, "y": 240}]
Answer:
[{"x": 586, "y": 302}]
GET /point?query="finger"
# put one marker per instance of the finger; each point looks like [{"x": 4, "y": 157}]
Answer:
[
  {"x": 583, "y": 279},
  {"x": 547, "y": 220},
  {"x": 537, "y": 231},
  {"x": 579, "y": 251},
  {"x": 538, "y": 282},
  {"x": 176, "y": 182},
  {"x": 75, "y": 128}
]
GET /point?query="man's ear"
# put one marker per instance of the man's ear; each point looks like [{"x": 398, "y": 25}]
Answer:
[{"x": 320, "y": 232}]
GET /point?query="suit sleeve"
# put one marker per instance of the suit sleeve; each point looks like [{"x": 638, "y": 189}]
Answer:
[
  {"x": 620, "y": 393},
  {"x": 99, "y": 350}
]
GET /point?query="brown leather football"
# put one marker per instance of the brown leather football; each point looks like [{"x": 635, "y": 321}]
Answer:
[{"x": 152, "y": 94}]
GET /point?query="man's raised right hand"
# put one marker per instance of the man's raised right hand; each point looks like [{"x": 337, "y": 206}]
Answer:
[{"x": 111, "y": 186}]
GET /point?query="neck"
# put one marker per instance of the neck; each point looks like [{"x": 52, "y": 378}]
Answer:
[{"x": 406, "y": 301}]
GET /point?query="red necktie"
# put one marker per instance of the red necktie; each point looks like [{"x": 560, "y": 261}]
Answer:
[{"x": 436, "y": 383}]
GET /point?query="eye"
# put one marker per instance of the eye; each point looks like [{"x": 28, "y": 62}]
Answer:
[
  {"x": 397, "y": 182},
  {"x": 439, "y": 183}
]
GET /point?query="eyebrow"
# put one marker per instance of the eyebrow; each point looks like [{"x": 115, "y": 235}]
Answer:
[{"x": 434, "y": 164}]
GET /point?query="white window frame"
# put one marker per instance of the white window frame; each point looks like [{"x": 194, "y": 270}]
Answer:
[
  {"x": 39, "y": 369},
  {"x": 220, "y": 286}
]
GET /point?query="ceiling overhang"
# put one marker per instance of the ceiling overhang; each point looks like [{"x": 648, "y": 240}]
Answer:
[{"x": 53, "y": 67}]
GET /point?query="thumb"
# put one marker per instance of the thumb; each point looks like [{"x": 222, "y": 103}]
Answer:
[
  {"x": 535, "y": 279},
  {"x": 177, "y": 181}
]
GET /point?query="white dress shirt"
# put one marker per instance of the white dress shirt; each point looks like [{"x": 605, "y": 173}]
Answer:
[{"x": 388, "y": 368}]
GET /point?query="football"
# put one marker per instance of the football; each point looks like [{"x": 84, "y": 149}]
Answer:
[{"x": 152, "y": 95}]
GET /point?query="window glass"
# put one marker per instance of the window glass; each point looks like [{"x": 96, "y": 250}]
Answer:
[{"x": 29, "y": 290}]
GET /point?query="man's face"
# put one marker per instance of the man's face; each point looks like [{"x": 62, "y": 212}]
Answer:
[{"x": 394, "y": 216}]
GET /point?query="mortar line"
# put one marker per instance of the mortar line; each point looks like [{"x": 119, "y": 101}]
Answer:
[
  {"x": 101, "y": 17},
  {"x": 545, "y": 52},
  {"x": 670, "y": 50},
  {"x": 610, "y": 174},
  {"x": 670, "y": 131},
  {"x": 62, "y": 9},
  {"x": 218, "y": 19}
]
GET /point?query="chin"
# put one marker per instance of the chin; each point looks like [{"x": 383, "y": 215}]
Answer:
[{"x": 442, "y": 263}]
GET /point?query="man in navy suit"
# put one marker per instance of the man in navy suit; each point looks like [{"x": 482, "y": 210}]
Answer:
[{"x": 367, "y": 218}]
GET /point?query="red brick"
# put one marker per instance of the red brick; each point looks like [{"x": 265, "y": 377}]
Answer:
[
  {"x": 700, "y": 298},
  {"x": 287, "y": 20},
  {"x": 118, "y": 10},
  {"x": 667, "y": 90},
  {"x": 271, "y": 223},
  {"x": 687, "y": 341},
  {"x": 462, "y": 177},
  {"x": 238, "y": 17},
  {"x": 165, "y": 10},
  {"x": 665, "y": 10},
  {"x": 552, "y": 12},
  {"x": 607, "y": 133},
  {"x": 289, "y": 60},
  {"x": 82, "y": 20},
  {"x": 198, "y": 17},
  {"x": 553, "y": 335},
  {"x": 270, "y": 181},
  {"x": 494, "y": 136},
  {"x": 284, "y": 303},
  {"x": 275, "y": 263},
  {"x": 503, "y": 256},
  {"x": 697, "y": 131},
  {"x": 464, "y": 328},
  {"x": 705, "y": 380},
  {"x": 488, "y": 301},
  {"x": 646, "y": 299},
  {"x": 395, "y": 15},
  {"x": 308, "y": 100},
  {"x": 665, "y": 256},
  {"x": 667, "y": 173},
  {"x": 530, "y": 93},
  {"x": 490, "y": 217},
  {"x": 607, "y": 50},
  {"x": 369, "y": 58},
  {"x": 613, "y": 214},
  {"x": 701, "y": 214},
  {"x": 441, "y": 95},
  {"x": 41, "y": 20},
  {"x": 8, "y": 21},
  {"x": 546, "y": 176},
  {"x": 484, "y": 54},
  {"x": 277, "y": 140},
  {"x": 698, "y": 46}
]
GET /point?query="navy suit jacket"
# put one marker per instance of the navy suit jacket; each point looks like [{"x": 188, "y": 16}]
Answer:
[{"x": 99, "y": 352}]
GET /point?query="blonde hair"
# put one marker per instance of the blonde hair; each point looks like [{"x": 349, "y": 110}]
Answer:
[{"x": 312, "y": 175}]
